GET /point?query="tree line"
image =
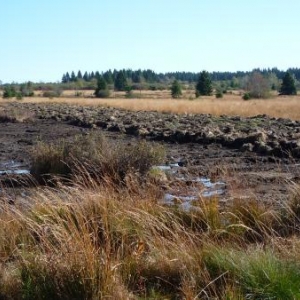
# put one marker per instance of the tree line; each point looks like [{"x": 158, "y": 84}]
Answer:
[
  {"x": 149, "y": 76},
  {"x": 110, "y": 76},
  {"x": 255, "y": 84}
]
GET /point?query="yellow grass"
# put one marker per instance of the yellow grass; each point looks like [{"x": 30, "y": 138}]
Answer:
[{"x": 230, "y": 104}]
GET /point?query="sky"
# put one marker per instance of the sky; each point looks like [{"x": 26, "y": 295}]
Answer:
[{"x": 41, "y": 40}]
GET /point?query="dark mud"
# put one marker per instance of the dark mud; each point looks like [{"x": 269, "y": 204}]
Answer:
[{"x": 256, "y": 157}]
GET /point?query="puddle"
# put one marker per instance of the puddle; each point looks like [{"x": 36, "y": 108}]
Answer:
[
  {"x": 170, "y": 167},
  {"x": 207, "y": 182},
  {"x": 184, "y": 202},
  {"x": 13, "y": 168},
  {"x": 213, "y": 193},
  {"x": 14, "y": 172},
  {"x": 186, "y": 195},
  {"x": 169, "y": 198}
]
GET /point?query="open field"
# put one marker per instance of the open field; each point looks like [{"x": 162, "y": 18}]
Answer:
[
  {"x": 230, "y": 104},
  {"x": 153, "y": 205}
]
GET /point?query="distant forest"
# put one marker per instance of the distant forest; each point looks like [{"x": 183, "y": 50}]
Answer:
[
  {"x": 149, "y": 76},
  {"x": 262, "y": 80},
  {"x": 148, "y": 79}
]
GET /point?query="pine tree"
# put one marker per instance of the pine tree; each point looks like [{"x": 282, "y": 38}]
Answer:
[
  {"x": 68, "y": 77},
  {"x": 288, "y": 85},
  {"x": 176, "y": 89},
  {"x": 101, "y": 90},
  {"x": 137, "y": 76},
  {"x": 204, "y": 85},
  {"x": 85, "y": 76},
  {"x": 64, "y": 79},
  {"x": 79, "y": 75},
  {"x": 97, "y": 75},
  {"x": 108, "y": 76},
  {"x": 73, "y": 77},
  {"x": 121, "y": 82}
]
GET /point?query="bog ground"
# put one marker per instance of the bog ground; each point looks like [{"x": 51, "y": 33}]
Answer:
[
  {"x": 216, "y": 218},
  {"x": 254, "y": 156}
]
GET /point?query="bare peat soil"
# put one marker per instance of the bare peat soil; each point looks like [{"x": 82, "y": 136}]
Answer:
[{"x": 254, "y": 158}]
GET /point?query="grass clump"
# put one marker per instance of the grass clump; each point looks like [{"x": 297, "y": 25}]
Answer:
[
  {"x": 259, "y": 274},
  {"x": 95, "y": 157},
  {"x": 97, "y": 242}
]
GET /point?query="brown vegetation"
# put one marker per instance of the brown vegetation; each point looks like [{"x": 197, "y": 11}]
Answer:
[
  {"x": 92, "y": 242},
  {"x": 230, "y": 104},
  {"x": 94, "y": 155},
  {"x": 107, "y": 233}
]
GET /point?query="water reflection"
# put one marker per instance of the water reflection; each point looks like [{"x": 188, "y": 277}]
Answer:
[
  {"x": 190, "y": 189},
  {"x": 13, "y": 168}
]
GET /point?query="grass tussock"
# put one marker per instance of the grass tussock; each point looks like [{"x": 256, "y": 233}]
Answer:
[
  {"x": 95, "y": 157},
  {"x": 255, "y": 273},
  {"x": 87, "y": 240},
  {"x": 95, "y": 242}
]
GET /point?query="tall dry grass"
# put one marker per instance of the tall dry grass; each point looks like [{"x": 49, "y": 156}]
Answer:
[
  {"x": 231, "y": 104},
  {"x": 95, "y": 156},
  {"x": 90, "y": 242}
]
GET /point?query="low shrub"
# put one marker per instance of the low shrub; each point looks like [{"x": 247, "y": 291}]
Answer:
[
  {"x": 78, "y": 94},
  {"x": 246, "y": 96},
  {"x": 219, "y": 94},
  {"x": 102, "y": 93},
  {"x": 94, "y": 155},
  {"x": 9, "y": 92},
  {"x": 52, "y": 93}
]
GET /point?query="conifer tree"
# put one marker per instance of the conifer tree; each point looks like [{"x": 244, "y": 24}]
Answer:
[
  {"x": 108, "y": 76},
  {"x": 68, "y": 78},
  {"x": 64, "y": 79},
  {"x": 121, "y": 82},
  {"x": 85, "y": 76},
  {"x": 204, "y": 85},
  {"x": 79, "y": 75},
  {"x": 101, "y": 90},
  {"x": 288, "y": 85},
  {"x": 73, "y": 77},
  {"x": 97, "y": 75}
]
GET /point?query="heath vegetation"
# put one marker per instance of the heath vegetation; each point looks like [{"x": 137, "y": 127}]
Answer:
[
  {"x": 92, "y": 241},
  {"x": 95, "y": 224}
]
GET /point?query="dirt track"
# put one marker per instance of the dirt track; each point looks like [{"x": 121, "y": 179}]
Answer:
[{"x": 257, "y": 157}]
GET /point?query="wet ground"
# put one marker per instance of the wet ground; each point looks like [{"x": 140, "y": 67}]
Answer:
[{"x": 206, "y": 156}]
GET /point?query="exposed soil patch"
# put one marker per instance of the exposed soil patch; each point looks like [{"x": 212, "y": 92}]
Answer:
[{"x": 255, "y": 156}]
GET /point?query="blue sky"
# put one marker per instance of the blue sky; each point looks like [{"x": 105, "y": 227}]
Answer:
[{"x": 41, "y": 40}]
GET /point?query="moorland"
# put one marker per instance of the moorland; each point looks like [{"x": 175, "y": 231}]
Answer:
[{"x": 149, "y": 197}]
